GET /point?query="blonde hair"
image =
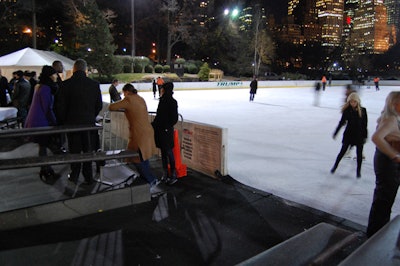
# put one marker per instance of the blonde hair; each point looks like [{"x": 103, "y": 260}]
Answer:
[
  {"x": 389, "y": 109},
  {"x": 353, "y": 96}
]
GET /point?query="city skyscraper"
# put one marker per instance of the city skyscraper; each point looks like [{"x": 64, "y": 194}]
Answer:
[
  {"x": 320, "y": 20},
  {"x": 292, "y": 4},
  {"x": 312, "y": 28},
  {"x": 393, "y": 18},
  {"x": 393, "y": 11},
  {"x": 370, "y": 32},
  {"x": 330, "y": 15}
]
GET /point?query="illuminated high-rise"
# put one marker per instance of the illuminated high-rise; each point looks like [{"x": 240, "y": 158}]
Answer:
[
  {"x": 330, "y": 16},
  {"x": 370, "y": 30},
  {"x": 320, "y": 20},
  {"x": 292, "y": 4},
  {"x": 393, "y": 18},
  {"x": 393, "y": 11},
  {"x": 312, "y": 28}
]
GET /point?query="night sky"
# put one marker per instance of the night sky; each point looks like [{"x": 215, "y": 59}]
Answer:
[{"x": 144, "y": 7}]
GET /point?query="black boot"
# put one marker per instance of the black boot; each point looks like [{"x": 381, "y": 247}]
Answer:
[
  {"x": 47, "y": 175},
  {"x": 358, "y": 172},
  {"x": 334, "y": 169}
]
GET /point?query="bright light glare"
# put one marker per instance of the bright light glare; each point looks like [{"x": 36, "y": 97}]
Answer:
[
  {"x": 235, "y": 12},
  {"x": 27, "y": 30},
  {"x": 226, "y": 12}
]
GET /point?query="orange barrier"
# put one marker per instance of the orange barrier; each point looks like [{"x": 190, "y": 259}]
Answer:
[{"x": 181, "y": 169}]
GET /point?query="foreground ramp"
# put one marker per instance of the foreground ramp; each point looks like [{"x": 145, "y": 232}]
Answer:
[{"x": 322, "y": 244}]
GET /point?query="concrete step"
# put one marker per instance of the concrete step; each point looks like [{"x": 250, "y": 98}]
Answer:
[
  {"x": 383, "y": 248},
  {"x": 102, "y": 249},
  {"x": 319, "y": 245},
  {"x": 74, "y": 207}
]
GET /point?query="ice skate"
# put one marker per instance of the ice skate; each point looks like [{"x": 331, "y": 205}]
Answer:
[{"x": 355, "y": 158}]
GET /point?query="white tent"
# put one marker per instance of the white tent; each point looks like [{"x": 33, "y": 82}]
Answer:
[{"x": 32, "y": 60}]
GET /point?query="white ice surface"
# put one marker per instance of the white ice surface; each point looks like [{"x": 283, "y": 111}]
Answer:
[{"x": 282, "y": 143}]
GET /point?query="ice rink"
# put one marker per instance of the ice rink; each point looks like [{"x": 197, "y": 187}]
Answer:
[{"x": 282, "y": 143}]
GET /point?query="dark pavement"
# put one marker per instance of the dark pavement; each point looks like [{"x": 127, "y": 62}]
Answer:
[{"x": 198, "y": 221}]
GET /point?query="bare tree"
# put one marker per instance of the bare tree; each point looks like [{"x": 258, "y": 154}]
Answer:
[
  {"x": 177, "y": 30},
  {"x": 264, "y": 48},
  {"x": 6, "y": 9}
]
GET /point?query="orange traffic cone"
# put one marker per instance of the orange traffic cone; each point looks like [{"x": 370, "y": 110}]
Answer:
[{"x": 181, "y": 169}]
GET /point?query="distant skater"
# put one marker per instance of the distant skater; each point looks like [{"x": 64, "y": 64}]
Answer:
[
  {"x": 317, "y": 93},
  {"x": 159, "y": 82},
  {"x": 114, "y": 94},
  {"x": 323, "y": 81},
  {"x": 253, "y": 88},
  {"x": 386, "y": 163},
  {"x": 354, "y": 116},
  {"x": 154, "y": 88},
  {"x": 376, "y": 82}
]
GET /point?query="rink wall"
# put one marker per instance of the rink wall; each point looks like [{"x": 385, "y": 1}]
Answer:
[
  {"x": 203, "y": 147},
  {"x": 217, "y": 85},
  {"x": 246, "y": 84}
]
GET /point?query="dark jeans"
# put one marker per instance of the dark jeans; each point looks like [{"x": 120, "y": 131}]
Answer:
[
  {"x": 167, "y": 155},
  {"x": 82, "y": 142},
  {"x": 22, "y": 113},
  {"x": 345, "y": 147},
  {"x": 386, "y": 185},
  {"x": 43, "y": 152},
  {"x": 144, "y": 170}
]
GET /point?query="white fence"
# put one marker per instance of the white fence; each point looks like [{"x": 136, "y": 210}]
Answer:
[{"x": 246, "y": 84}]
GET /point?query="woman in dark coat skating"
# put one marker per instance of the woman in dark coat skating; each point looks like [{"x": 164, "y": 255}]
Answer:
[{"x": 355, "y": 134}]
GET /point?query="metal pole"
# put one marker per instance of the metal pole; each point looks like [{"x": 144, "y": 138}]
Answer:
[
  {"x": 133, "y": 26},
  {"x": 34, "y": 28}
]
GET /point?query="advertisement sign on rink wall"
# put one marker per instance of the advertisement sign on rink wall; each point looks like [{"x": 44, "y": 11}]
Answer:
[{"x": 204, "y": 147}]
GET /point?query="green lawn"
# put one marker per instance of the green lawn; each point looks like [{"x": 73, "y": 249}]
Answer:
[{"x": 147, "y": 77}]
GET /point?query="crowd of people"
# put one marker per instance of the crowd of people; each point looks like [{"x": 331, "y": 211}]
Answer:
[{"x": 52, "y": 101}]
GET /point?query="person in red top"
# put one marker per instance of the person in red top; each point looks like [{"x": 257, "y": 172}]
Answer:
[
  {"x": 376, "y": 81},
  {"x": 323, "y": 81},
  {"x": 160, "y": 83}
]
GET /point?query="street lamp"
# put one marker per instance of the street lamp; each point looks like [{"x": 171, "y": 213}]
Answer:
[
  {"x": 27, "y": 31},
  {"x": 234, "y": 13},
  {"x": 34, "y": 28},
  {"x": 133, "y": 27}
]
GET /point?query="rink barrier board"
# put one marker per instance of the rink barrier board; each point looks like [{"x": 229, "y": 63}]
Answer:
[
  {"x": 262, "y": 84},
  {"x": 203, "y": 146}
]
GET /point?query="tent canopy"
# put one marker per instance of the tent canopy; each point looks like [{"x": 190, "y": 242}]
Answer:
[{"x": 32, "y": 60}]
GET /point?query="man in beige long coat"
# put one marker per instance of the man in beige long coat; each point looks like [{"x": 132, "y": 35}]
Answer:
[{"x": 141, "y": 134}]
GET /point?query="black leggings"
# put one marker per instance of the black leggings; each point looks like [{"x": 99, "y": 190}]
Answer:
[{"x": 345, "y": 147}]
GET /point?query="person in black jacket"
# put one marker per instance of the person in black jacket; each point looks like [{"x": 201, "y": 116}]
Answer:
[
  {"x": 59, "y": 68},
  {"x": 163, "y": 124},
  {"x": 253, "y": 88},
  {"x": 355, "y": 134},
  {"x": 20, "y": 96},
  {"x": 3, "y": 90},
  {"x": 78, "y": 102},
  {"x": 114, "y": 94}
]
